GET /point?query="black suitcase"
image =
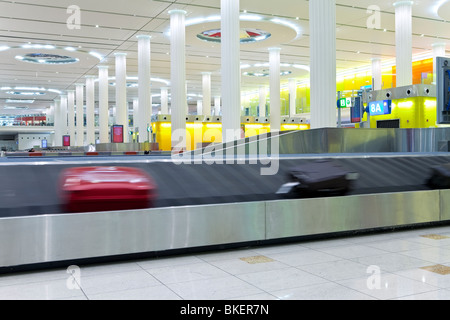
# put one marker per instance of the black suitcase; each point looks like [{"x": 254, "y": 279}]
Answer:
[
  {"x": 440, "y": 177},
  {"x": 319, "y": 178}
]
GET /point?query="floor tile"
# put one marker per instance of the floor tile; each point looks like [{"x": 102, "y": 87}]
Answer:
[
  {"x": 440, "y": 294},
  {"x": 257, "y": 297},
  {"x": 434, "y": 254},
  {"x": 159, "y": 292},
  {"x": 438, "y": 269},
  {"x": 168, "y": 261},
  {"x": 397, "y": 245},
  {"x": 228, "y": 254},
  {"x": 239, "y": 266},
  {"x": 390, "y": 286},
  {"x": 264, "y": 250},
  {"x": 189, "y": 272},
  {"x": 422, "y": 275},
  {"x": 274, "y": 280},
  {"x": 257, "y": 260},
  {"x": 30, "y": 277},
  {"x": 435, "y": 236},
  {"x": 228, "y": 287},
  {"x": 44, "y": 290},
  {"x": 327, "y": 243},
  {"x": 391, "y": 262},
  {"x": 106, "y": 268},
  {"x": 303, "y": 257},
  {"x": 336, "y": 270},
  {"x": 323, "y": 291},
  {"x": 352, "y": 251},
  {"x": 117, "y": 282}
]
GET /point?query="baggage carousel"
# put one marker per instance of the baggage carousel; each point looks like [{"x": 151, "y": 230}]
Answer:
[{"x": 203, "y": 206}]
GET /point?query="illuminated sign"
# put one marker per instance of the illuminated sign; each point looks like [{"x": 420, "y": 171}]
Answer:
[
  {"x": 117, "y": 134},
  {"x": 344, "y": 103},
  {"x": 66, "y": 141},
  {"x": 378, "y": 108}
]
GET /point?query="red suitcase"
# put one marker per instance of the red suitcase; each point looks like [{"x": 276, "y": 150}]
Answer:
[{"x": 93, "y": 189}]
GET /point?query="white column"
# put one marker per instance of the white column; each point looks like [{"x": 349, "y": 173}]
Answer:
[
  {"x": 217, "y": 106},
  {"x": 200, "y": 107},
  {"x": 71, "y": 115},
  {"x": 63, "y": 114},
  {"x": 275, "y": 88},
  {"x": 164, "y": 101},
  {"x": 145, "y": 101},
  {"x": 206, "y": 80},
  {"x": 231, "y": 70},
  {"x": 57, "y": 139},
  {"x": 322, "y": 22},
  {"x": 80, "y": 114},
  {"x": 103, "y": 103},
  {"x": 121, "y": 93},
  {"x": 292, "y": 97},
  {"x": 136, "y": 114},
  {"x": 438, "y": 51},
  {"x": 178, "y": 78},
  {"x": 90, "y": 110},
  {"x": 403, "y": 42},
  {"x": 377, "y": 74},
  {"x": 51, "y": 114},
  {"x": 262, "y": 101}
]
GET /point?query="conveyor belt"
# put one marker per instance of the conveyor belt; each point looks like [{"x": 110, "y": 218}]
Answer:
[{"x": 32, "y": 189}]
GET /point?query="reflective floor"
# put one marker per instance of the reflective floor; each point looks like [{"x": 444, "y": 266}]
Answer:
[{"x": 412, "y": 264}]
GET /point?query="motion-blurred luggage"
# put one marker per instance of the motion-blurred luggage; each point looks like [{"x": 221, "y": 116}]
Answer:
[
  {"x": 440, "y": 177},
  {"x": 93, "y": 189},
  {"x": 319, "y": 178}
]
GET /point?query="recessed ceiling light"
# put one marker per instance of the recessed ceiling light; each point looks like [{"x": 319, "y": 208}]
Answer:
[
  {"x": 43, "y": 58},
  {"x": 19, "y": 101}
]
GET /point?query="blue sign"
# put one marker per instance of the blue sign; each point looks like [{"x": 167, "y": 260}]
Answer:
[{"x": 378, "y": 108}]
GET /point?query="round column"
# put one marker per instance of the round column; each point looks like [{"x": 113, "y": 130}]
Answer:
[
  {"x": 90, "y": 110},
  {"x": 403, "y": 42},
  {"x": 57, "y": 139},
  {"x": 200, "y": 110},
  {"x": 292, "y": 97},
  {"x": 206, "y": 80},
  {"x": 262, "y": 101},
  {"x": 217, "y": 106},
  {"x": 231, "y": 70},
  {"x": 438, "y": 51},
  {"x": 63, "y": 115},
  {"x": 164, "y": 101},
  {"x": 178, "y": 79},
  {"x": 103, "y": 104},
  {"x": 79, "y": 92},
  {"x": 136, "y": 115},
  {"x": 145, "y": 101},
  {"x": 376, "y": 74},
  {"x": 71, "y": 116},
  {"x": 275, "y": 88},
  {"x": 322, "y": 23},
  {"x": 121, "y": 93}
]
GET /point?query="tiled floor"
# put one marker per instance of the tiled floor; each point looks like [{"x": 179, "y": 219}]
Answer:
[{"x": 409, "y": 264}]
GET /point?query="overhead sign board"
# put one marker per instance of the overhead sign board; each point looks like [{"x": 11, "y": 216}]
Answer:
[
  {"x": 379, "y": 108},
  {"x": 344, "y": 103}
]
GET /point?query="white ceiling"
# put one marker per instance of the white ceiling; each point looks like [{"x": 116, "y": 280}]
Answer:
[{"x": 109, "y": 26}]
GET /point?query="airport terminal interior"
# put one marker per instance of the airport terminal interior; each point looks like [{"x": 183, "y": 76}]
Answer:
[{"x": 225, "y": 150}]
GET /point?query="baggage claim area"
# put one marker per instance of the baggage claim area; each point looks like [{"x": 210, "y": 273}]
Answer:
[{"x": 175, "y": 151}]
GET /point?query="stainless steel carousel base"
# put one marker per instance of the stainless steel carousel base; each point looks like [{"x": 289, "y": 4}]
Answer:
[{"x": 69, "y": 237}]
